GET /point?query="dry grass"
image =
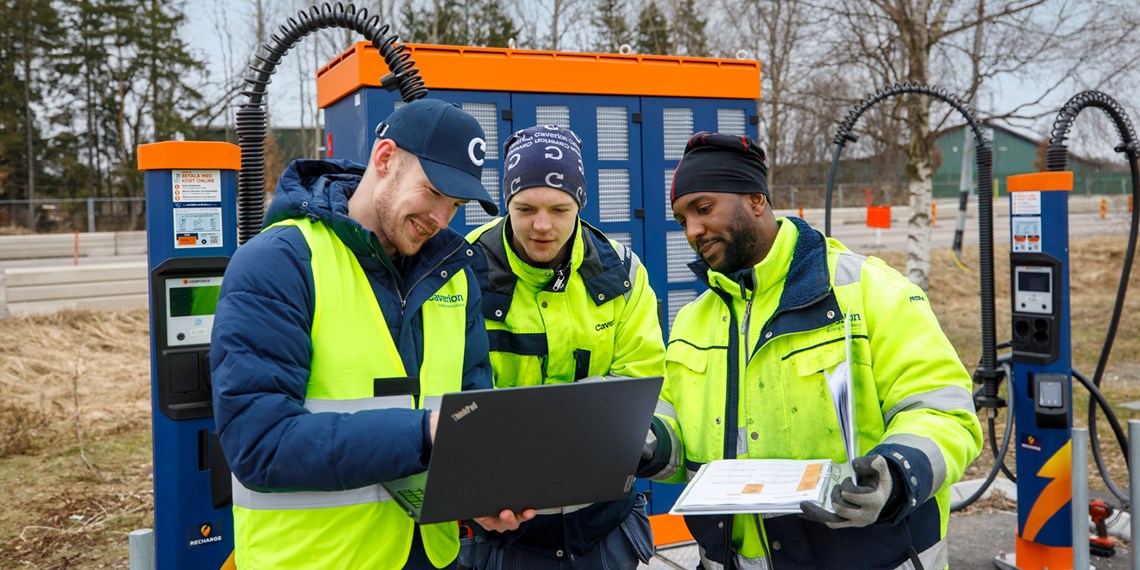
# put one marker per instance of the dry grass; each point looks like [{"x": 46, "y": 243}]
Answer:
[
  {"x": 1095, "y": 274},
  {"x": 13, "y": 230},
  {"x": 75, "y": 460},
  {"x": 75, "y": 457}
]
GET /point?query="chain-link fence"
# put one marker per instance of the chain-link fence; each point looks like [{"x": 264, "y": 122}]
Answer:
[{"x": 51, "y": 215}]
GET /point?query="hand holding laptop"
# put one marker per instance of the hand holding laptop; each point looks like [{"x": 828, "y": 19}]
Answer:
[
  {"x": 603, "y": 421},
  {"x": 506, "y": 520}
]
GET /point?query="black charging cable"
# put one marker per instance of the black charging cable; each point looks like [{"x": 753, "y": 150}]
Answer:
[
  {"x": 251, "y": 123},
  {"x": 1056, "y": 159}
]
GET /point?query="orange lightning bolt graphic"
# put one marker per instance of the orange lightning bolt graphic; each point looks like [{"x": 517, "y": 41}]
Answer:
[{"x": 1055, "y": 495}]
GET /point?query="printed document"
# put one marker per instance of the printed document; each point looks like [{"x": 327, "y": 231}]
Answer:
[
  {"x": 770, "y": 486},
  {"x": 778, "y": 486}
]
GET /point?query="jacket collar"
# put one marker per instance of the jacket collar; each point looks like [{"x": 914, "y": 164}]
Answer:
[{"x": 601, "y": 269}]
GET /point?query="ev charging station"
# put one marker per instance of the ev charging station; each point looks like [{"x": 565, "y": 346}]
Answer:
[
  {"x": 1051, "y": 497},
  {"x": 1042, "y": 367},
  {"x": 191, "y": 191}
]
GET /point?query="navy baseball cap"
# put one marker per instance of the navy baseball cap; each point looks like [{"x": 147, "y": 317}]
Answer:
[{"x": 450, "y": 144}]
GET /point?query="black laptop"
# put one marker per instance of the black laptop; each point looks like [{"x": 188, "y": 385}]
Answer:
[{"x": 531, "y": 447}]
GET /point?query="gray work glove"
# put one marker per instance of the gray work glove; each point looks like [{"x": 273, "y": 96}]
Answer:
[
  {"x": 856, "y": 505},
  {"x": 650, "y": 445}
]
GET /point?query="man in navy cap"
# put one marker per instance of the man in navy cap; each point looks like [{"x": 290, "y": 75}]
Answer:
[
  {"x": 354, "y": 305},
  {"x": 563, "y": 303}
]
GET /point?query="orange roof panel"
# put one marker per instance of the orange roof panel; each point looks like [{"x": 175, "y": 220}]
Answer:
[
  {"x": 172, "y": 155},
  {"x": 1040, "y": 182},
  {"x": 498, "y": 69}
]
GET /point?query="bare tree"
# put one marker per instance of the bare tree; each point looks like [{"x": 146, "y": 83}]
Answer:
[
  {"x": 552, "y": 24},
  {"x": 896, "y": 41},
  {"x": 781, "y": 32}
]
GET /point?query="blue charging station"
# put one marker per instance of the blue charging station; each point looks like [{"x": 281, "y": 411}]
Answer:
[
  {"x": 191, "y": 220},
  {"x": 1042, "y": 367}
]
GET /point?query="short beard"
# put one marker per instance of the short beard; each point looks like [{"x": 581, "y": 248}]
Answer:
[
  {"x": 740, "y": 243},
  {"x": 381, "y": 197}
]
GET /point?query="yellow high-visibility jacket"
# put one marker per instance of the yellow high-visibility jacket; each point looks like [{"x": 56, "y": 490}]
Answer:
[{"x": 745, "y": 378}]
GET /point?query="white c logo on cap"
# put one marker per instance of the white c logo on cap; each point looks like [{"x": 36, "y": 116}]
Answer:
[
  {"x": 554, "y": 184},
  {"x": 551, "y": 154},
  {"x": 513, "y": 160},
  {"x": 481, "y": 145}
]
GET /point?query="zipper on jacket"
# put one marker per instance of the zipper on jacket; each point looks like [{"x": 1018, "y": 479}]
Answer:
[
  {"x": 747, "y": 319},
  {"x": 779, "y": 312},
  {"x": 560, "y": 278},
  {"x": 386, "y": 262},
  {"x": 404, "y": 296}
]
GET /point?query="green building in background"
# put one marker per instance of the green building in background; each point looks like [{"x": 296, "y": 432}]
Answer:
[{"x": 1015, "y": 153}]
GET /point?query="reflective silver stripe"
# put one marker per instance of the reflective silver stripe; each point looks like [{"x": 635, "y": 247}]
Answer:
[
  {"x": 741, "y": 562},
  {"x": 945, "y": 399},
  {"x": 709, "y": 564},
  {"x": 562, "y": 510},
  {"x": 741, "y": 441},
  {"x": 848, "y": 268},
  {"x": 674, "y": 455},
  {"x": 255, "y": 500},
  {"x": 933, "y": 558},
  {"x": 752, "y": 563},
  {"x": 936, "y": 556},
  {"x": 666, "y": 409},
  {"x": 433, "y": 402},
  {"x": 634, "y": 263},
  {"x": 932, "y": 452},
  {"x": 350, "y": 406}
]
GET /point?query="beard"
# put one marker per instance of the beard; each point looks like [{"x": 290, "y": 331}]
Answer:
[{"x": 740, "y": 243}]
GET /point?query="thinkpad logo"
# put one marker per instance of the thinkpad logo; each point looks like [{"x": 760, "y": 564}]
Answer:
[{"x": 464, "y": 411}]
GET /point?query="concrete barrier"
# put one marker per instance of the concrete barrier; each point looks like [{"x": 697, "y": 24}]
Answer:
[
  {"x": 44, "y": 246},
  {"x": 37, "y": 290}
]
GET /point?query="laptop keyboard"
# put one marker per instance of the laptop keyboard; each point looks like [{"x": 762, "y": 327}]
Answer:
[{"x": 415, "y": 497}]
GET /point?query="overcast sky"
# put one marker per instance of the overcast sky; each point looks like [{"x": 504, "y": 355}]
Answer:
[{"x": 222, "y": 33}]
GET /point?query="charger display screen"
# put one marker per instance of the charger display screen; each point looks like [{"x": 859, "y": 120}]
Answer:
[
  {"x": 194, "y": 301},
  {"x": 1037, "y": 282}
]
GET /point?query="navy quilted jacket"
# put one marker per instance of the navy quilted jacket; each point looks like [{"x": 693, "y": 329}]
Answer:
[{"x": 261, "y": 347}]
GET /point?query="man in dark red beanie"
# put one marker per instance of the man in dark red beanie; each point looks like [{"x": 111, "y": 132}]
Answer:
[{"x": 750, "y": 364}]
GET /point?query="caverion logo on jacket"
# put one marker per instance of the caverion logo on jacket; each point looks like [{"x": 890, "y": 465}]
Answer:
[{"x": 447, "y": 300}]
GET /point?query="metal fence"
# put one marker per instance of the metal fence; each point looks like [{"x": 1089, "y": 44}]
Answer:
[
  {"x": 51, "y": 215},
  {"x": 849, "y": 195},
  {"x": 844, "y": 196}
]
